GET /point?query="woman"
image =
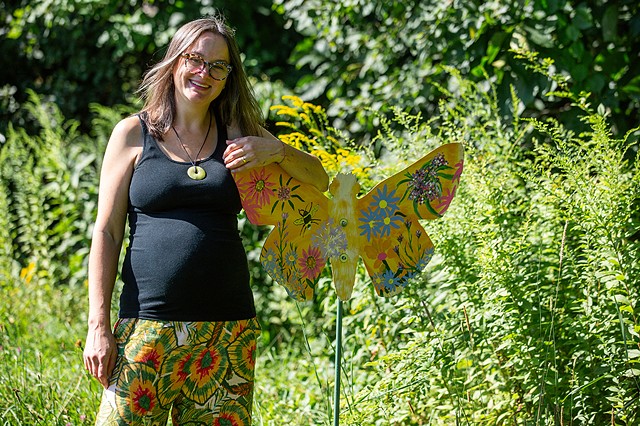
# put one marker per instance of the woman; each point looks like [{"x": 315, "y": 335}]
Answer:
[{"x": 185, "y": 338}]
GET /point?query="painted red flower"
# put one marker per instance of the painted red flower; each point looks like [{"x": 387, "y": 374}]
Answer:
[
  {"x": 311, "y": 262},
  {"x": 258, "y": 189},
  {"x": 456, "y": 175},
  {"x": 251, "y": 209}
]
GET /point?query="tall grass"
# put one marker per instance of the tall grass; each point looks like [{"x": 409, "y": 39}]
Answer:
[{"x": 42, "y": 380}]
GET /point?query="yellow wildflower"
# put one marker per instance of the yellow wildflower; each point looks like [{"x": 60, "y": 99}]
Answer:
[
  {"x": 297, "y": 102},
  {"x": 27, "y": 273},
  {"x": 316, "y": 132},
  {"x": 286, "y": 124}
]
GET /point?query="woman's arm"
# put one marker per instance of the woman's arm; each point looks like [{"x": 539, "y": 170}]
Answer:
[
  {"x": 260, "y": 151},
  {"x": 120, "y": 157}
]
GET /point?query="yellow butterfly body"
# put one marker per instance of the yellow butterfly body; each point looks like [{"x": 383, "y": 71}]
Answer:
[
  {"x": 342, "y": 209},
  {"x": 382, "y": 227}
]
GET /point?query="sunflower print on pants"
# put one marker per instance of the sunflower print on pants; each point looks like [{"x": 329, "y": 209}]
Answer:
[{"x": 200, "y": 373}]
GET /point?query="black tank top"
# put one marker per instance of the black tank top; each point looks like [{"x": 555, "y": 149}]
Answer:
[{"x": 185, "y": 260}]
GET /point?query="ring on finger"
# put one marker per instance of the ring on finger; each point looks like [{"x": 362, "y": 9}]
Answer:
[{"x": 244, "y": 160}]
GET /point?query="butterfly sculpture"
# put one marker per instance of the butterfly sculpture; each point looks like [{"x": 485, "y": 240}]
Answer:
[{"x": 311, "y": 229}]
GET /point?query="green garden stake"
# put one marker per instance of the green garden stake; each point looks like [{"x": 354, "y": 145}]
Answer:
[{"x": 336, "y": 390}]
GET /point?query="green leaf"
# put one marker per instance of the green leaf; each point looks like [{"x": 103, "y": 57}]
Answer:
[
  {"x": 572, "y": 33},
  {"x": 633, "y": 353},
  {"x": 582, "y": 18},
  {"x": 610, "y": 23},
  {"x": 540, "y": 38},
  {"x": 596, "y": 83},
  {"x": 576, "y": 49}
]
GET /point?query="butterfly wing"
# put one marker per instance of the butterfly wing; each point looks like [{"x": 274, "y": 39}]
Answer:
[
  {"x": 270, "y": 196},
  {"x": 395, "y": 247}
]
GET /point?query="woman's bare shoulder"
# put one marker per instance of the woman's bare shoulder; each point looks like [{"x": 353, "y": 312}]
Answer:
[{"x": 128, "y": 131}]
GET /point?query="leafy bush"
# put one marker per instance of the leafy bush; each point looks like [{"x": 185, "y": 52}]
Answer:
[
  {"x": 530, "y": 314},
  {"x": 80, "y": 52},
  {"x": 42, "y": 327},
  {"x": 363, "y": 53},
  {"x": 49, "y": 184}
]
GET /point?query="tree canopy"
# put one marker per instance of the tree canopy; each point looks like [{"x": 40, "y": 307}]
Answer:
[{"x": 80, "y": 52}]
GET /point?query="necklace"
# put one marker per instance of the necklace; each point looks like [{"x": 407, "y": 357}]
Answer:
[{"x": 195, "y": 172}]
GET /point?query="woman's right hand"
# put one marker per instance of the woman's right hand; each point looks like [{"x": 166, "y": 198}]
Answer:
[{"x": 100, "y": 354}]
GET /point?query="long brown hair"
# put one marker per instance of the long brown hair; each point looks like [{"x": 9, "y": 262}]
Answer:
[{"x": 236, "y": 103}]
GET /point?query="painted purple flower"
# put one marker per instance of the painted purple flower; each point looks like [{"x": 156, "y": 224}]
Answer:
[
  {"x": 424, "y": 185},
  {"x": 330, "y": 239}
]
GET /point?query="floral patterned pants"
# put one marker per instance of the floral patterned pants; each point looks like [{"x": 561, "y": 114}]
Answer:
[{"x": 197, "y": 372}]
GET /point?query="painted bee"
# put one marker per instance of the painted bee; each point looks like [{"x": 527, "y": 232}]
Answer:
[{"x": 306, "y": 218}]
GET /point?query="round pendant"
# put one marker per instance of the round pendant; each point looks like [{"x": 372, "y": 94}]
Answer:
[{"x": 196, "y": 173}]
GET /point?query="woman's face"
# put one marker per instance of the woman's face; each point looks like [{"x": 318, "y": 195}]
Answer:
[{"x": 196, "y": 85}]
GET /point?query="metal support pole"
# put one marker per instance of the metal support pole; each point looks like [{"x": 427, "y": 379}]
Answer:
[{"x": 338, "y": 364}]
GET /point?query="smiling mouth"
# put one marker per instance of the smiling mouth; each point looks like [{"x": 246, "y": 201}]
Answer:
[{"x": 200, "y": 85}]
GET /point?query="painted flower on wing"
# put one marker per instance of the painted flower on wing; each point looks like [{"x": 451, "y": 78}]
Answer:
[
  {"x": 456, "y": 175},
  {"x": 437, "y": 162},
  {"x": 445, "y": 200},
  {"x": 269, "y": 261},
  {"x": 285, "y": 194},
  {"x": 390, "y": 281},
  {"x": 371, "y": 223},
  {"x": 250, "y": 207},
  {"x": 425, "y": 259},
  {"x": 330, "y": 238},
  {"x": 389, "y": 222},
  {"x": 379, "y": 250},
  {"x": 385, "y": 201},
  {"x": 424, "y": 185},
  {"x": 378, "y": 283},
  {"x": 290, "y": 257},
  {"x": 311, "y": 262},
  {"x": 258, "y": 188}
]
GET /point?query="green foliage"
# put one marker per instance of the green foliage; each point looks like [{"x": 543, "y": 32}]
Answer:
[
  {"x": 49, "y": 193},
  {"x": 79, "y": 52},
  {"x": 347, "y": 54},
  {"x": 374, "y": 54},
  {"x": 530, "y": 314}
]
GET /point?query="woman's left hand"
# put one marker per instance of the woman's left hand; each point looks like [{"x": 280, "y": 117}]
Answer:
[{"x": 252, "y": 151}]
